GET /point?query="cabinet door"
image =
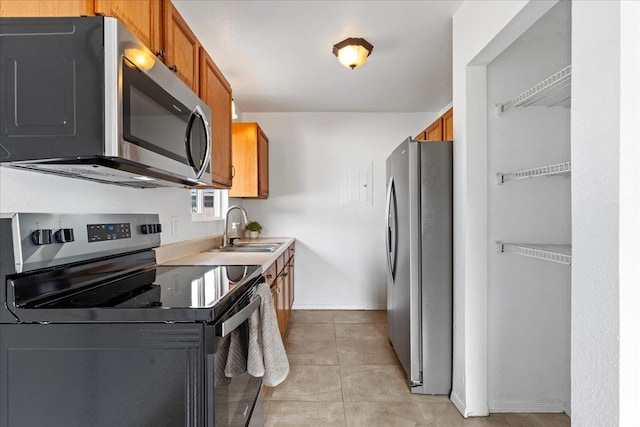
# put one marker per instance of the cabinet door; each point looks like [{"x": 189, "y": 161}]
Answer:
[
  {"x": 434, "y": 131},
  {"x": 285, "y": 300},
  {"x": 263, "y": 164},
  {"x": 245, "y": 160},
  {"x": 250, "y": 161},
  {"x": 181, "y": 47},
  {"x": 275, "y": 296},
  {"x": 142, "y": 17},
  {"x": 37, "y": 8},
  {"x": 215, "y": 90},
  {"x": 422, "y": 136},
  {"x": 280, "y": 310},
  {"x": 270, "y": 274},
  {"x": 447, "y": 120},
  {"x": 291, "y": 281}
]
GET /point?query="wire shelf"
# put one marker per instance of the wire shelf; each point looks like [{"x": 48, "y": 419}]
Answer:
[
  {"x": 553, "y": 91},
  {"x": 550, "y": 170},
  {"x": 555, "y": 253}
]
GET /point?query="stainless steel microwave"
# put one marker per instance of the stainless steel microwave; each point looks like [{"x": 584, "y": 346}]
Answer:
[{"x": 83, "y": 97}]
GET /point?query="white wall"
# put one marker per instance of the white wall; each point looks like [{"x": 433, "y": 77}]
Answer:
[
  {"x": 24, "y": 191},
  {"x": 340, "y": 249},
  {"x": 481, "y": 30},
  {"x": 605, "y": 341},
  {"x": 528, "y": 300},
  {"x": 629, "y": 194},
  {"x": 605, "y": 344}
]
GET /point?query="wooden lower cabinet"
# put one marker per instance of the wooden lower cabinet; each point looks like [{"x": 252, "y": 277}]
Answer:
[
  {"x": 281, "y": 312},
  {"x": 290, "y": 270},
  {"x": 280, "y": 277}
]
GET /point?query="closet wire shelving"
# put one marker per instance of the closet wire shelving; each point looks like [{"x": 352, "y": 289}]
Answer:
[
  {"x": 560, "y": 254},
  {"x": 550, "y": 170},
  {"x": 553, "y": 91}
]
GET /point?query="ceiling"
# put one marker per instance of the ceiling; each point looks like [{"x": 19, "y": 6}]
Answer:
[{"x": 277, "y": 55}]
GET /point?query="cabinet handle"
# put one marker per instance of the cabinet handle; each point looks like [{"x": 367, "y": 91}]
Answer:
[
  {"x": 269, "y": 276},
  {"x": 233, "y": 171},
  {"x": 285, "y": 274},
  {"x": 160, "y": 54},
  {"x": 174, "y": 68}
]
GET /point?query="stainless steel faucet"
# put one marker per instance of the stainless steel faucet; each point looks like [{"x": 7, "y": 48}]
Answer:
[{"x": 225, "y": 238}]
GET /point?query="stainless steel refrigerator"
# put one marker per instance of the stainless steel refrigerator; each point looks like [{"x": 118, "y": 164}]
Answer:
[{"x": 419, "y": 243}]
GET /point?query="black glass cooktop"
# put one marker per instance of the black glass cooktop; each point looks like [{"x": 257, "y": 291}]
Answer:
[{"x": 160, "y": 287}]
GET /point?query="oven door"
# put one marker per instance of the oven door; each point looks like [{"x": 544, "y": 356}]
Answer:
[{"x": 234, "y": 392}]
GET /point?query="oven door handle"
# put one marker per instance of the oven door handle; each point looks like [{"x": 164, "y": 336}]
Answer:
[{"x": 237, "y": 320}]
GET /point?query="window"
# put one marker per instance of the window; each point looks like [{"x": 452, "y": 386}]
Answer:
[{"x": 208, "y": 204}]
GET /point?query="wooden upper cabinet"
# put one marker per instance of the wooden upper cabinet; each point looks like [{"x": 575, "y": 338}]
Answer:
[
  {"x": 435, "y": 131},
  {"x": 181, "y": 46},
  {"x": 215, "y": 91},
  {"x": 440, "y": 130},
  {"x": 250, "y": 161},
  {"x": 141, "y": 17},
  {"x": 26, "y": 8},
  {"x": 422, "y": 136},
  {"x": 447, "y": 124},
  {"x": 263, "y": 164}
]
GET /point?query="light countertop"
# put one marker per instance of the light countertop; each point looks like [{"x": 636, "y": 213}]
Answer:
[{"x": 264, "y": 259}]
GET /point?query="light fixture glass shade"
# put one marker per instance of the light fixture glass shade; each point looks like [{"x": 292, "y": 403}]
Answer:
[{"x": 352, "y": 52}]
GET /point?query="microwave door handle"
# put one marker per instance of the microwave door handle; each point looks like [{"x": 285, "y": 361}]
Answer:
[
  {"x": 207, "y": 151},
  {"x": 229, "y": 325},
  {"x": 197, "y": 112}
]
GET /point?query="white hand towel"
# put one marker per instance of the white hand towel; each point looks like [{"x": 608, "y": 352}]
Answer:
[{"x": 267, "y": 356}]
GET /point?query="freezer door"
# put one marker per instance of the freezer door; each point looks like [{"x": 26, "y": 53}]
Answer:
[
  {"x": 391, "y": 226},
  {"x": 436, "y": 213},
  {"x": 391, "y": 237},
  {"x": 398, "y": 277}
]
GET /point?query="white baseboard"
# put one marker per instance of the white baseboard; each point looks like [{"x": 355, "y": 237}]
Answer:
[
  {"x": 527, "y": 406},
  {"x": 336, "y": 307},
  {"x": 458, "y": 403},
  {"x": 464, "y": 410}
]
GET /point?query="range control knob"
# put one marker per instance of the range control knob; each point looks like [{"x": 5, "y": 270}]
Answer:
[
  {"x": 64, "y": 235},
  {"x": 41, "y": 237},
  {"x": 151, "y": 228}
]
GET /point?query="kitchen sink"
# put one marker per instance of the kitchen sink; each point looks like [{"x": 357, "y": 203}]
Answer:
[{"x": 249, "y": 247}]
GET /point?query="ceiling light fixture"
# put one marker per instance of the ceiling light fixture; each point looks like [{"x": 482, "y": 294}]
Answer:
[{"x": 352, "y": 52}]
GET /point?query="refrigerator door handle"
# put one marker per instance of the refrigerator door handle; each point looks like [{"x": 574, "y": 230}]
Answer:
[{"x": 391, "y": 226}]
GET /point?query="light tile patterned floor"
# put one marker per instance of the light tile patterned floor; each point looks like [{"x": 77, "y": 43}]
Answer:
[{"x": 344, "y": 373}]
